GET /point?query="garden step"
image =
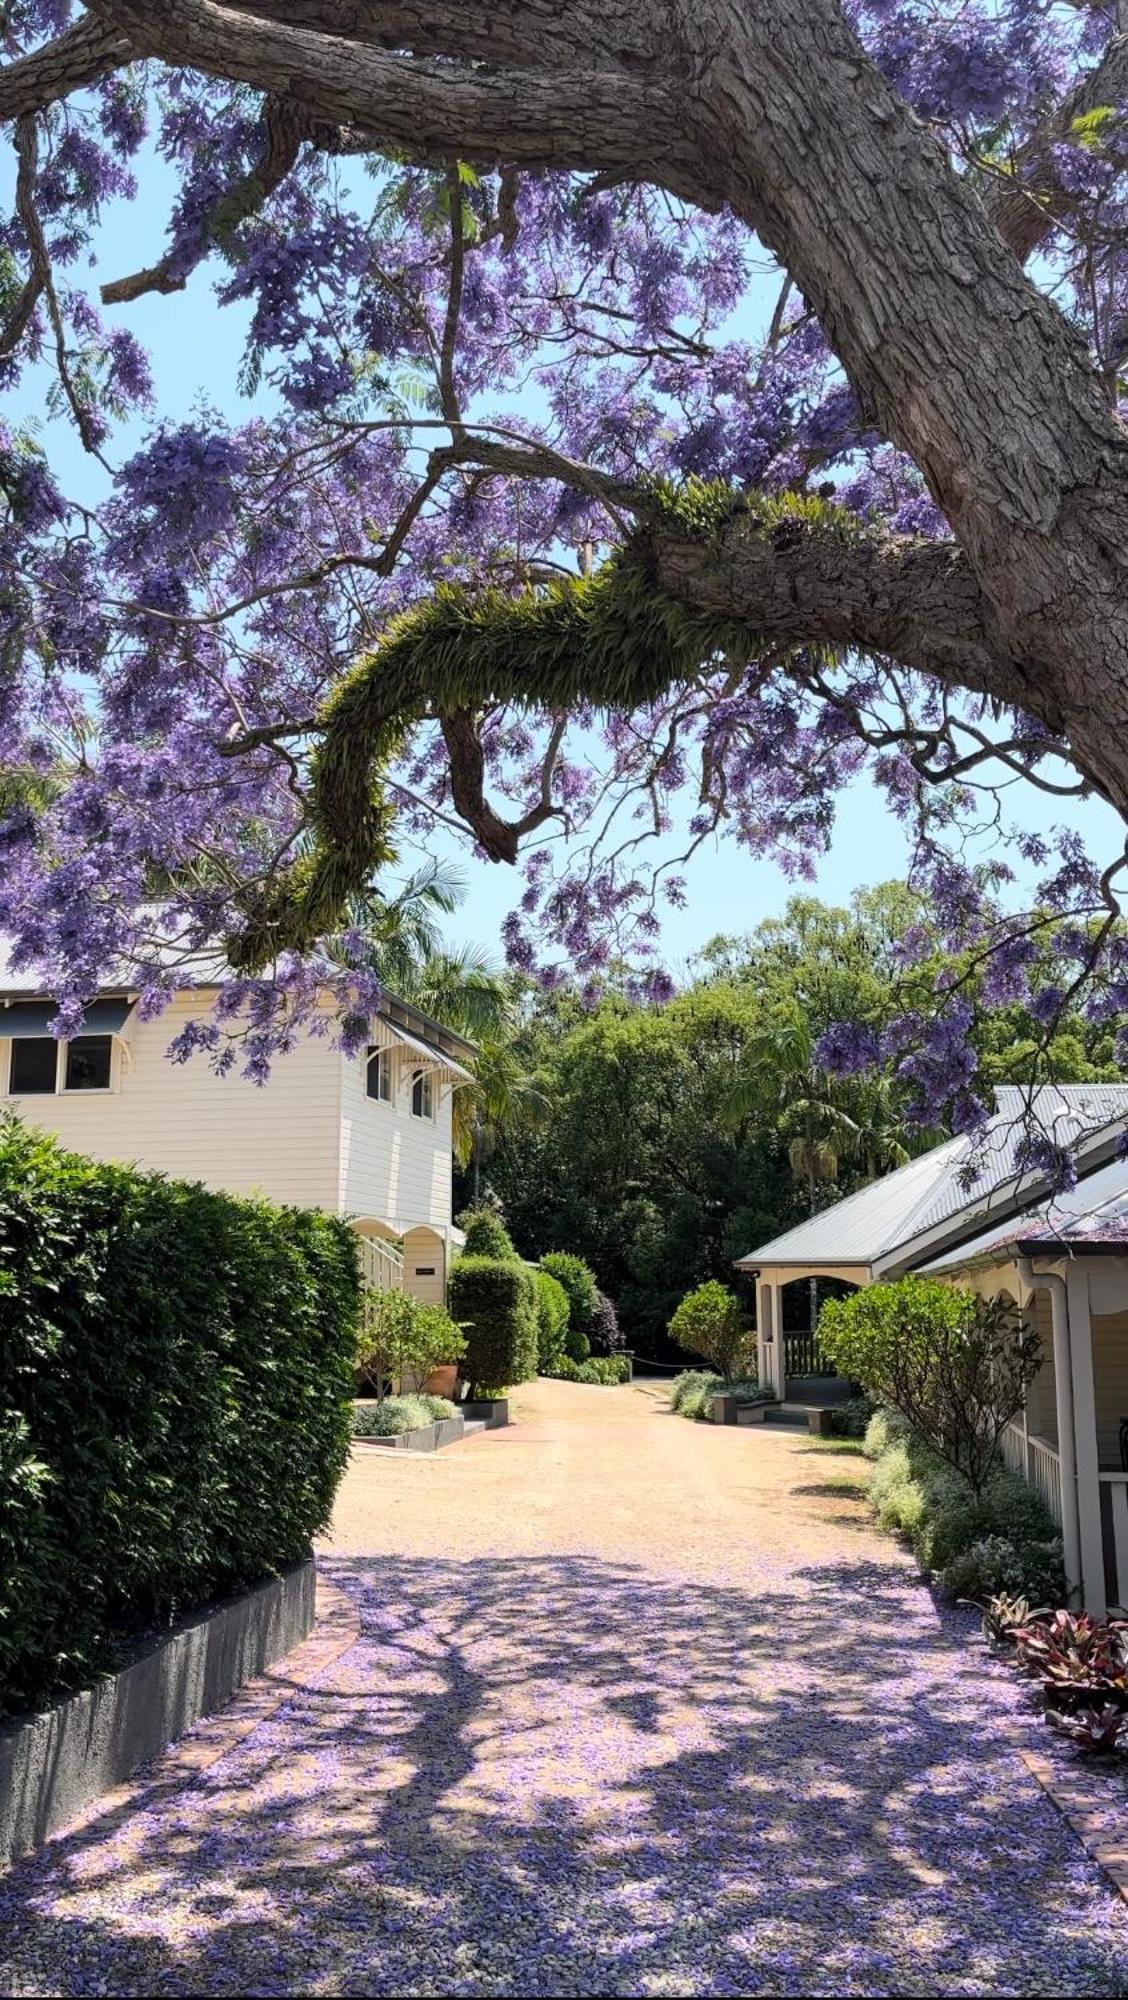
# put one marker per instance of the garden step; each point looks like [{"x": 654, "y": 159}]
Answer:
[{"x": 793, "y": 1415}]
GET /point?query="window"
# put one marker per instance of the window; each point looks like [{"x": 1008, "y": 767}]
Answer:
[
  {"x": 422, "y": 1095},
  {"x": 34, "y": 1067},
  {"x": 378, "y": 1081},
  {"x": 88, "y": 1063}
]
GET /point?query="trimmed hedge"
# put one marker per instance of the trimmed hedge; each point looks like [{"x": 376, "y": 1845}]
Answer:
[
  {"x": 494, "y": 1300},
  {"x": 607, "y": 1370},
  {"x": 578, "y": 1280},
  {"x": 175, "y": 1381},
  {"x": 552, "y": 1320},
  {"x": 486, "y": 1234}
]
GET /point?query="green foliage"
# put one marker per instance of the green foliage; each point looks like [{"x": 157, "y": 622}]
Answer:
[
  {"x": 175, "y": 1376},
  {"x": 578, "y": 1280},
  {"x": 495, "y": 1300},
  {"x": 692, "y": 1392},
  {"x": 552, "y": 1320},
  {"x": 606, "y": 1370},
  {"x": 486, "y": 1234},
  {"x": 851, "y": 1419},
  {"x": 440, "y": 1407},
  {"x": 395, "y": 1415},
  {"x": 957, "y": 1366},
  {"x": 710, "y": 1322},
  {"x": 918, "y": 1495},
  {"x": 577, "y": 1346},
  {"x": 402, "y": 1336}
]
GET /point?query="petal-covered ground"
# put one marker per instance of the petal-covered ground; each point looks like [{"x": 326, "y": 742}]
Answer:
[{"x": 638, "y": 1707}]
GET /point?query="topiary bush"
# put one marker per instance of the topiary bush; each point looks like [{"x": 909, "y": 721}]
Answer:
[
  {"x": 603, "y": 1329},
  {"x": 494, "y": 1300},
  {"x": 176, "y": 1370},
  {"x": 578, "y": 1280},
  {"x": 552, "y": 1320},
  {"x": 486, "y": 1234},
  {"x": 577, "y": 1346},
  {"x": 709, "y": 1322}
]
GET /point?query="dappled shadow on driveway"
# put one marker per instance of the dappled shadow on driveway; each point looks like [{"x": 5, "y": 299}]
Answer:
[{"x": 567, "y": 1775}]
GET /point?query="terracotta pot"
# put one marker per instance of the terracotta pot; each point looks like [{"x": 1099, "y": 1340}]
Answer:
[{"x": 441, "y": 1381}]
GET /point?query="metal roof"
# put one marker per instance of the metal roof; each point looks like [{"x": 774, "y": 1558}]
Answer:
[
  {"x": 947, "y": 1190},
  {"x": 1093, "y": 1216}
]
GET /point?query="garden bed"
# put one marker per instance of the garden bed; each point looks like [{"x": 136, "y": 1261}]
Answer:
[
  {"x": 55, "y": 1764},
  {"x": 429, "y": 1437}
]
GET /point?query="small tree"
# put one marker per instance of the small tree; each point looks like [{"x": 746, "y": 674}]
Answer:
[
  {"x": 956, "y": 1366},
  {"x": 401, "y": 1335},
  {"x": 710, "y": 1322}
]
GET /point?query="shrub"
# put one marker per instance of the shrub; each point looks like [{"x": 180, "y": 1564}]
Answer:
[
  {"x": 495, "y": 1300},
  {"x": 175, "y": 1380},
  {"x": 955, "y": 1365},
  {"x": 603, "y": 1329},
  {"x": 394, "y": 1416},
  {"x": 578, "y": 1280},
  {"x": 552, "y": 1320},
  {"x": 607, "y": 1370},
  {"x": 691, "y": 1392},
  {"x": 400, "y": 1335},
  {"x": 577, "y": 1346},
  {"x": 440, "y": 1407},
  {"x": 710, "y": 1322},
  {"x": 850, "y": 1419},
  {"x": 486, "y": 1234},
  {"x": 917, "y": 1495}
]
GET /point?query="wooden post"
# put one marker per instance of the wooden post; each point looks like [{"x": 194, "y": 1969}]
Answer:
[{"x": 1085, "y": 1435}]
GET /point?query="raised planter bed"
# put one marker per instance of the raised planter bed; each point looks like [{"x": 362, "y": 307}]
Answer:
[
  {"x": 55, "y": 1764},
  {"x": 431, "y": 1437},
  {"x": 494, "y": 1413},
  {"x": 730, "y": 1410}
]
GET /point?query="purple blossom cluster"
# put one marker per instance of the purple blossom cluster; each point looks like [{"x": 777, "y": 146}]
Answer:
[{"x": 166, "y": 649}]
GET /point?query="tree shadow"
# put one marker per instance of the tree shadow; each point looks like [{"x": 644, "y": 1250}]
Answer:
[{"x": 562, "y": 1775}]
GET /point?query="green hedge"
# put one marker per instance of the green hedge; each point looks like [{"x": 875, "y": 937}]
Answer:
[
  {"x": 175, "y": 1378},
  {"x": 608, "y": 1370},
  {"x": 494, "y": 1300},
  {"x": 552, "y": 1320}
]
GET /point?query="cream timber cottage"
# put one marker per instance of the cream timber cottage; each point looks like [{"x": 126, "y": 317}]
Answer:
[
  {"x": 367, "y": 1137},
  {"x": 970, "y": 1214}
]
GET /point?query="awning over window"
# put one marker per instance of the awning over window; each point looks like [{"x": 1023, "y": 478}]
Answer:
[
  {"x": 430, "y": 1058},
  {"x": 23, "y": 1018}
]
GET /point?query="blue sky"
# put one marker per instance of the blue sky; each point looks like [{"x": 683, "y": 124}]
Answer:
[{"x": 196, "y": 349}]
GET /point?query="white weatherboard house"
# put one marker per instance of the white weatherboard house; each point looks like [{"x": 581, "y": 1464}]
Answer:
[
  {"x": 1061, "y": 1258},
  {"x": 368, "y": 1137}
]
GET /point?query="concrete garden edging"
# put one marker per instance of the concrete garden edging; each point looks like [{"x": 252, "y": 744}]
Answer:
[
  {"x": 491, "y": 1411},
  {"x": 429, "y": 1437},
  {"x": 55, "y": 1764}
]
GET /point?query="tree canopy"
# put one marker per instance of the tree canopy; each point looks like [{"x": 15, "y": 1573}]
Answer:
[{"x": 659, "y": 415}]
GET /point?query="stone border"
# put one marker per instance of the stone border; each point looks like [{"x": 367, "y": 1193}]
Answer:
[
  {"x": 1096, "y": 1819},
  {"x": 429, "y": 1437},
  {"x": 56, "y": 1766}
]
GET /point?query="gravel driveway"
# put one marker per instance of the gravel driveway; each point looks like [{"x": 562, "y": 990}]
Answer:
[{"x": 638, "y": 1707}]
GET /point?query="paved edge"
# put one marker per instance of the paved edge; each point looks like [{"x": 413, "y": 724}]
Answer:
[
  {"x": 259, "y": 1668},
  {"x": 1085, "y": 1805}
]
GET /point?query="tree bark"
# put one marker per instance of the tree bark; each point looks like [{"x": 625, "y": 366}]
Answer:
[{"x": 777, "y": 110}]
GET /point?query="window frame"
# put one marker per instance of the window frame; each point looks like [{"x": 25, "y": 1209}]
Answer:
[
  {"x": 423, "y": 1081},
  {"x": 384, "y": 1059},
  {"x": 62, "y": 1045}
]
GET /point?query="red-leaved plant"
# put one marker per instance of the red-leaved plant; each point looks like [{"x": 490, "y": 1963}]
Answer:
[
  {"x": 1072, "y": 1654},
  {"x": 1097, "y": 1731}
]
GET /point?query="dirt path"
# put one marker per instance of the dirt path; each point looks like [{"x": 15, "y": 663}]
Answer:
[{"x": 639, "y": 1707}]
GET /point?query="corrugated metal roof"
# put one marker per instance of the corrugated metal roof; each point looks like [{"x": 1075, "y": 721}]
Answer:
[
  {"x": 1095, "y": 1212},
  {"x": 955, "y": 1179}
]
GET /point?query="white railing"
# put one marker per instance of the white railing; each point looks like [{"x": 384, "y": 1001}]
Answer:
[
  {"x": 381, "y": 1266},
  {"x": 1037, "y": 1462}
]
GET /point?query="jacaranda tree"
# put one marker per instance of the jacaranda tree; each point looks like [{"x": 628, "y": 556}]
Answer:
[{"x": 526, "y": 528}]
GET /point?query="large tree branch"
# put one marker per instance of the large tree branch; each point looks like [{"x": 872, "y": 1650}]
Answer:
[
  {"x": 545, "y": 118},
  {"x": 1025, "y": 205},
  {"x": 86, "y": 52},
  {"x": 521, "y": 33}
]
